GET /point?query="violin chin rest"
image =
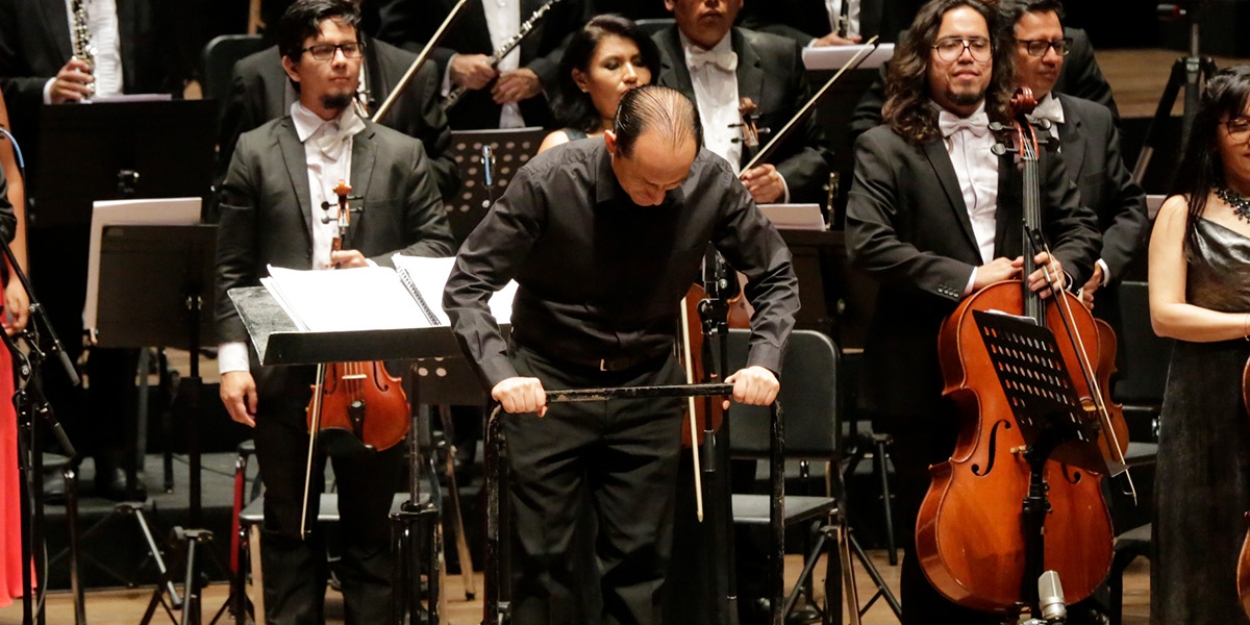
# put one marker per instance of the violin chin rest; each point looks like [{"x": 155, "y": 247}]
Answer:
[{"x": 341, "y": 443}]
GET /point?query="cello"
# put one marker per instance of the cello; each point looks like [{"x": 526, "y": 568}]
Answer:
[
  {"x": 972, "y": 532},
  {"x": 356, "y": 407}
]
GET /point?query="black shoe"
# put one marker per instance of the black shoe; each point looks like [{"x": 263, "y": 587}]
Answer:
[{"x": 110, "y": 483}]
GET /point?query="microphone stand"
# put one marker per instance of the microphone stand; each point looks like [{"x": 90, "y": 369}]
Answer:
[
  {"x": 719, "y": 548},
  {"x": 28, "y": 401}
]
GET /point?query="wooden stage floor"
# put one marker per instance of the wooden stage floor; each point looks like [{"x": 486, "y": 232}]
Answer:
[{"x": 126, "y": 606}]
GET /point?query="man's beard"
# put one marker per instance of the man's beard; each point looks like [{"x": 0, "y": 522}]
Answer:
[
  {"x": 336, "y": 101},
  {"x": 967, "y": 99}
]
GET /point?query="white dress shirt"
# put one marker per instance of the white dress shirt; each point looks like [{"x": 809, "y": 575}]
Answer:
[
  {"x": 852, "y": 16},
  {"x": 713, "y": 73},
  {"x": 503, "y": 20},
  {"x": 970, "y": 144},
  {"x": 102, "y": 24},
  {"x": 328, "y": 153}
]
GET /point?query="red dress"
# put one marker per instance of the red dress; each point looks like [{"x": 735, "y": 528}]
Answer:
[{"x": 10, "y": 495}]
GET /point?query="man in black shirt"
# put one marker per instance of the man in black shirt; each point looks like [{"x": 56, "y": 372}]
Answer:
[{"x": 604, "y": 239}]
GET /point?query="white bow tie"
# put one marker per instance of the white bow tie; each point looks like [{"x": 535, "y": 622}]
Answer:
[
  {"x": 978, "y": 123},
  {"x": 333, "y": 140},
  {"x": 1048, "y": 109},
  {"x": 724, "y": 59}
]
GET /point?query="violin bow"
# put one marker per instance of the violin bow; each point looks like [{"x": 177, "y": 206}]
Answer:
[
  {"x": 773, "y": 143},
  {"x": 419, "y": 61}
]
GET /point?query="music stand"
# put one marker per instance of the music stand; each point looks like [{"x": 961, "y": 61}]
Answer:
[
  {"x": 154, "y": 282},
  {"x": 1048, "y": 412},
  {"x": 119, "y": 151},
  {"x": 279, "y": 341},
  {"x": 510, "y": 149}
]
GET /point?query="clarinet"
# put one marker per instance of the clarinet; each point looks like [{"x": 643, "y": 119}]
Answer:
[
  {"x": 83, "y": 50},
  {"x": 454, "y": 96}
]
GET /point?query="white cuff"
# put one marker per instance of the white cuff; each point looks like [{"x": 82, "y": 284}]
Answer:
[
  {"x": 47, "y": 91},
  {"x": 1106, "y": 271},
  {"x": 785, "y": 194},
  {"x": 972, "y": 279},
  {"x": 232, "y": 357},
  {"x": 446, "y": 86}
]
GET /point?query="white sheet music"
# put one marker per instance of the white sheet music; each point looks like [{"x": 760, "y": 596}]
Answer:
[
  {"x": 361, "y": 298},
  {"x": 429, "y": 276},
  {"x": 794, "y": 216},
  {"x": 834, "y": 57}
]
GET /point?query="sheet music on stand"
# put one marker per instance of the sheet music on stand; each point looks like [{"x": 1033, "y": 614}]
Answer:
[
  {"x": 511, "y": 147},
  {"x": 834, "y": 57}
]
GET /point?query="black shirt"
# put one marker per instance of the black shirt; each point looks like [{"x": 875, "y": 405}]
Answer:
[{"x": 601, "y": 277}]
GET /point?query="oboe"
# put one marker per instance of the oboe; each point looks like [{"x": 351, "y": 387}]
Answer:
[{"x": 454, "y": 96}]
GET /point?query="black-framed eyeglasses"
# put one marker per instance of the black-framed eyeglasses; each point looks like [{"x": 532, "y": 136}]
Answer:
[
  {"x": 1237, "y": 128},
  {"x": 1039, "y": 47},
  {"x": 325, "y": 51},
  {"x": 951, "y": 48}
]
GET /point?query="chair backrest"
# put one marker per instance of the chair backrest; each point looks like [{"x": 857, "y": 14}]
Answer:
[
  {"x": 809, "y": 399},
  {"x": 219, "y": 58},
  {"x": 1146, "y": 355},
  {"x": 653, "y": 25}
]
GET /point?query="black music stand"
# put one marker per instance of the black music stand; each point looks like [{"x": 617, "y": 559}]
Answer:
[
  {"x": 119, "y": 150},
  {"x": 1048, "y": 412},
  {"x": 278, "y": 341},
  {"x": 510, "y": 149},
  {"x": 154, "y": 282}
]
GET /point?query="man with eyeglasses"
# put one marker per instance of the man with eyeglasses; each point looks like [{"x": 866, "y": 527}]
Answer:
[
  {"x": 260, "y": 91},
  {"x": 934, "y": 215},
  {"x": 271, "y": 214},
  {"x": 1090, "y": 146}
]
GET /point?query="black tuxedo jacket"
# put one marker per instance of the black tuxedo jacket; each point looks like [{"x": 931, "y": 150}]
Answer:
[
  {"x": 265, "y": 216},
  {"x": 35, "y": 44},
  {"x": 1090, "y": 144},
  {"x": 908, "y": 227},
  {"x": 262, "y": 91},
  {"x": 770, "y": 72},
  {"x": 411, "y": 23},
  {"x": 1079, "y": 77},
  {"x": 804, "y": 20}
]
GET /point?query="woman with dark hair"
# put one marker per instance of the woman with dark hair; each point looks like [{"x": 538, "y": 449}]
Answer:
[
  {"x": 1200, "y": 295},
  {"x": 607, "y": 57}
]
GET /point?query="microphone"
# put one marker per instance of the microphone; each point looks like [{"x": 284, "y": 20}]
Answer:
[{"x": 1050, "y": 598}]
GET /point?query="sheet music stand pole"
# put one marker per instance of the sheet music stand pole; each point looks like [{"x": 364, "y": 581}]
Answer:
[{"x": 1042, "y": 396}]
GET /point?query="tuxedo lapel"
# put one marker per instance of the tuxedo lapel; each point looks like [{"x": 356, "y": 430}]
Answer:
[
  {"x": 1009, "y": 217},
  {"x": 297, "y": 168},
  {"x": 674, "y": 73},
  {"x": 935, "y": 151},
  {"x": 126, "y": 20},
  {"x": 1072, "y": 142},
  {"x": 57, "y": 25},
  {"x": 750, "y": 72},
  {"x": 870, "y": 18},
  {"x": 364, "y": 155}
]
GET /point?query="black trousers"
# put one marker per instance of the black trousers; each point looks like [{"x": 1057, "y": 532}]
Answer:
[
  {"x": 618, "y": 457},
  {"x": 294, "y": 569}
]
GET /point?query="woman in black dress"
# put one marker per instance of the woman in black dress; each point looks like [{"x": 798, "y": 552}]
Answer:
[{"x": 1200, "y": 296}]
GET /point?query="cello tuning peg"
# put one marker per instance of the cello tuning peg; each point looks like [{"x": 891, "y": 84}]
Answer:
[
  {"x": 999, "y": 149},
  {"x": 997, "y": 127}
]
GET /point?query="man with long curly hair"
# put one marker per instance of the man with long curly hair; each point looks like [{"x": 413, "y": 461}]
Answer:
[{"x": 934, "y": 215}]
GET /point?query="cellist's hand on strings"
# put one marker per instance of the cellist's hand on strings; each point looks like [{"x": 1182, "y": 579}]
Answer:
[
  {"x": 346, "y": 259},
  {"x": 754, "y": 385},
  {"x": 238, "y": 393},
  {"x": 521, "y": 395},
  {"x": 1037, "y": 280},
  {"x": 764, "y": 183}
]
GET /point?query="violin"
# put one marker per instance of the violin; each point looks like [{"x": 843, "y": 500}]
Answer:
[
  {"x": 356, "y": 408},
  {"x": 971, "y": 533}
]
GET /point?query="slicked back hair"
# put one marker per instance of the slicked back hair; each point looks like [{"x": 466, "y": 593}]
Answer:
[
  {"x": 1010, "y": 11},
  {"x": 303, "y": 20},
  {"x": 658, "y": 109},
  {"x": 907, "y": 109}
]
